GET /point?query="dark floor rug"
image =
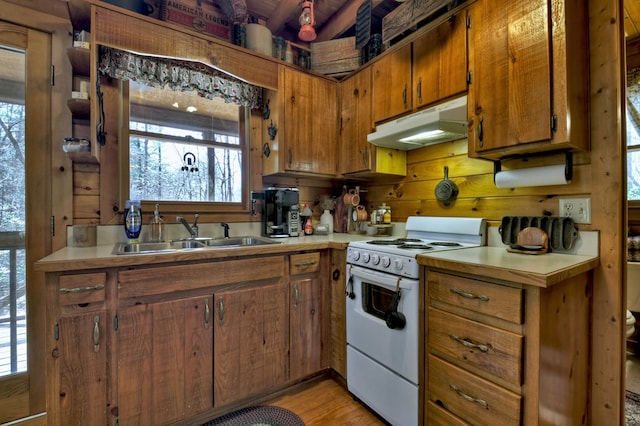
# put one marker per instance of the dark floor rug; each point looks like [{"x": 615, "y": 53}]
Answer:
[
  {"x": 632, "y": 409},
  {"x": 264, "y": 415}
]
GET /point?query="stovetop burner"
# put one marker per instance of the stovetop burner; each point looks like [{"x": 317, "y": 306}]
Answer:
[
  {"x": 396, "y": 242},
  {"x": 445, "y": 244},
  {"x": 409, "y": 246}
]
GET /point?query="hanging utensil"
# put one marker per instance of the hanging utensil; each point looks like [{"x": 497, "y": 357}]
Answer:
[{"x": 446, "y": 190}]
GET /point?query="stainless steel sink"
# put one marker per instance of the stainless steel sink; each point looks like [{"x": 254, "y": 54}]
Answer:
[
  {"x": 240, "y": 242},
  {"x": 189, "y": 244},
  {"x": 140, "y": 248}
]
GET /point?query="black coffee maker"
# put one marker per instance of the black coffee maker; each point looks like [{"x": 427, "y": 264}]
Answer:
[{"x": 280, "y": 212}]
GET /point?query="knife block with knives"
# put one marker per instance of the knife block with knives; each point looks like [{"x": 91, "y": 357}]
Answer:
[{"x": 530, "y": 240}]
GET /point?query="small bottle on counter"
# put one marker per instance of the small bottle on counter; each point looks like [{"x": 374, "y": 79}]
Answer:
[
  {"x": 327, "y": 219},
  {"x": 132, "y": 220},
  {"x": 308, "y": 227}
]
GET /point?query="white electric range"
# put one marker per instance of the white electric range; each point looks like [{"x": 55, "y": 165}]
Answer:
[{"x": 383, "y": 311}]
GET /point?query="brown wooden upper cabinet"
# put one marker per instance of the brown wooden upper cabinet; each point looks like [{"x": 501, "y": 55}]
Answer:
[
  {"x": 440, "y": 62},
  {"x": 528, "y": 69},
  {"x": 357, "y": 156},
  {"x": 431, "y": 68},
  {"x": 306, "y": 119}
]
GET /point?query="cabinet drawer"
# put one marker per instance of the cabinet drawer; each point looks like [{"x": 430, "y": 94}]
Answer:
[
  {"x": 304, "y": 263},
  {"x": 469, "y": 397},
  {"x": 82, "y": 288},
  {"x": 491, "y": 349},
  {"x": 438, "y": 416},
  {"x": 478, "y": 296},
  {"x": 151, "y": 281}
]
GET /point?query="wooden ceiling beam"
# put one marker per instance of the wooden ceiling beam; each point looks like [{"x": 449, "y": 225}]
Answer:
[
  {"x": 282, "y": 13},
  {"x": 343, "y": 19}
]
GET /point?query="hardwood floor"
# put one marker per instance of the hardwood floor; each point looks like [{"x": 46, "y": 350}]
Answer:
[{"x": 327, "y": 403}]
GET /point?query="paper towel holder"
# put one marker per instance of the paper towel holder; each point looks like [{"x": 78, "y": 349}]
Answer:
[{"x": 568, "y": 166}]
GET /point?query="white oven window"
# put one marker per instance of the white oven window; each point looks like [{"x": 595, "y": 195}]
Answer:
[{"x": 376, "y": 300}]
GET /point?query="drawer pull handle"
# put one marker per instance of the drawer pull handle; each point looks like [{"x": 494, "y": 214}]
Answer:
[
  {"x": 468, "y": 344},
  {"x": 469, "y": 295},
  {"x": 481, "y": 402},
  {"x": 305, "y": 264},
  {"x": 81, "y": 289}
]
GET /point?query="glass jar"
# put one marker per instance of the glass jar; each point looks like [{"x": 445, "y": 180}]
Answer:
[
  {"x": 303, "y": 59},
  {"x": 279, "y": 47},
  {"x": 375, "y": 46}
]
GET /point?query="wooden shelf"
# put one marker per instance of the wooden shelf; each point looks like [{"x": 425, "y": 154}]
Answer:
[
  {"x": 80, "y": 108},
  {"x": 80, "y": 60}
]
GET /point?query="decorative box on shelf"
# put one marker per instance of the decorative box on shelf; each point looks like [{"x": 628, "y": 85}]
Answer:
[
  {"x": 408, "y": 15},
  {"x": 335, "y": 57},
  {"x": 200, "y": 15}
]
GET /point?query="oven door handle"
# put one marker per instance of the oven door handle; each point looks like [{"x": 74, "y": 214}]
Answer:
[{"x": 381, "y": 278}]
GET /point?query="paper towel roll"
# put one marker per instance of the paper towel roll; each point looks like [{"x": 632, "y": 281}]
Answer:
[
  {"x": 534, "y": 176},
  {"x": 259, "y": 38}
]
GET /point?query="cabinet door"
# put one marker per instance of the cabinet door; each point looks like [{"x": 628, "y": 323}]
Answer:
[
  {"x": 356, "y": 123},
  {"x": 440, "y": 62},
  {"x": 392, "y": 94},
  {"x": 310, "y": 123},
  {"x": 510, "y": 64},
  {"x": 250, "y": 341},
  {"x": 306, "y": 327},
  {"x": 165, "y": 353},
  {"x": 82, "y": 355}
]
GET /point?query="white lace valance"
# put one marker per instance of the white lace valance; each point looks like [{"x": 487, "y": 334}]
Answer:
[{"x": 179, "y": 75}]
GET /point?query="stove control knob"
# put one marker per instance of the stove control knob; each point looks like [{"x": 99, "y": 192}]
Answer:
[
  {"x": 365, "y": 257},
  {"x": 354, "y": 255},
  {"x": 398, "y": 264},
  {"x": 386, "y": 261},
  {"x": 375, "y": 259}
]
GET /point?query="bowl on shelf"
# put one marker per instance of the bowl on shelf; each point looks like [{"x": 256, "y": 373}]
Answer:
[{"x": 76, "y": 145}]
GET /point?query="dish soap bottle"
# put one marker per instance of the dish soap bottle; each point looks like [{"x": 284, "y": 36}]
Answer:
[
  {"x": 132, "y": 220},
  {"x": 327, "y": 219},
  {"x": 157, "y": 227}
]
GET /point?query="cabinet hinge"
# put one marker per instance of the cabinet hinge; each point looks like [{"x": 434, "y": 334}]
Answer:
[
  {"x": 554, "y": 123},
  {"x": 52, "y": 226},
  {"x": 56, "y": 331},
  {"x": 469, "y": 79},
  {"x": 53, "y": 75},
  {"x": 115, "y": 323},
  {"x": 468, "y": 21}
]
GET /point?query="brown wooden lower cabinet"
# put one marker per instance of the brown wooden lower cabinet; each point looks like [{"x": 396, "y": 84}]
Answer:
[
  {"x": 161, "y": 344},
  {"x": 164, "y": 361},
  {"x": 250, "y": 341},
  {"x": 500, "y": 352},
  {"x": 78, "y": 336}
]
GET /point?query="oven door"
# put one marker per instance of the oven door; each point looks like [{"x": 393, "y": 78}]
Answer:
[{"x": 367, "y": 330}]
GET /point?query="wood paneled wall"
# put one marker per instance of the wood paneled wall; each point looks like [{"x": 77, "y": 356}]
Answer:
[{"x": 478, "y": 195}]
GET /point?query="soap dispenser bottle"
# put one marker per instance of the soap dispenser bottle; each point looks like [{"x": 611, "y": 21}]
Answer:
[
  {"x": 132, "y": 220},
  {"x": 156, "y": 233}
]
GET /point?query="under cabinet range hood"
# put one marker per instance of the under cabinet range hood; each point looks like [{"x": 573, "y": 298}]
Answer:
[{"x": 441, "y": 123}]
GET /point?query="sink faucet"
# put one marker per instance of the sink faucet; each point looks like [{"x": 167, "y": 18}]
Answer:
[
  {"x": 226, "y": 229},
  {"x": 192, "y": 229}
]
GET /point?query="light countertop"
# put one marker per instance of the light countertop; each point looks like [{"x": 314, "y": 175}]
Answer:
[
  {"x": 542, "y": 270},
  {"x": 101, "y": 256}
]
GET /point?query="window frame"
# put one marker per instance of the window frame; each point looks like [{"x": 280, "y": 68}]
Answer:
[{"x": 203, "y": 208}]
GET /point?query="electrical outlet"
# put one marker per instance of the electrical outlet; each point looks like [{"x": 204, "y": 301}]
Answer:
[{"x": 578, "y": 209}]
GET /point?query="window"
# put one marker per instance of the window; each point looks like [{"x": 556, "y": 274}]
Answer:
[
  {"x": 633, "y": 135},
  {"x": 185, "y": 148}
]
